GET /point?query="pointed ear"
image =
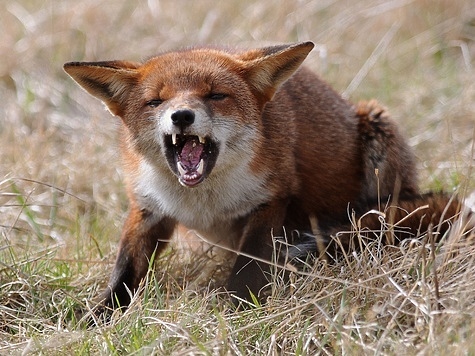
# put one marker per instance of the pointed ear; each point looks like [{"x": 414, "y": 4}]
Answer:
[
  {"x": 268, "y": 68},
  {"x": 109, "y": 81}
]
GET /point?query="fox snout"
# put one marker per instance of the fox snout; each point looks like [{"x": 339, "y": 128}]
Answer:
[
  {"x": 183, "y": 118},
  {"x": 191, "y": 156}
]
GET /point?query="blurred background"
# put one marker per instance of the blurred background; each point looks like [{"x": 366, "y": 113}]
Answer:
[{"x": 60, "y": 178}]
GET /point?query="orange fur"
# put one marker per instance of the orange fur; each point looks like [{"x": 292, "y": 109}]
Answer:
[{"x": 236, "y": 145}]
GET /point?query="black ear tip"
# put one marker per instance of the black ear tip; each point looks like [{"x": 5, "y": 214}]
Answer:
[
  {"x": 67, "y": 67},
  {"x": 308, "y": 45},
  {"x": 71, "y": 64}
]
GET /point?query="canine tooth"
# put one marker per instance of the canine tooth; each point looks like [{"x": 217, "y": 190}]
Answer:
[
  {"x": 200, "y": 167},
  {"x": 202, "y": 139},
  {"x": 174, "y": 139},
  {"x": 180, "y": 169}
]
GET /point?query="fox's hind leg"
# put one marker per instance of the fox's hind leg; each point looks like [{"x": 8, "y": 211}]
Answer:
[{"x": 388, "y": 162}]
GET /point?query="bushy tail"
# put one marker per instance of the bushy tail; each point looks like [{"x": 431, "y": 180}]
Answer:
[{"x": 408, "y": 217}]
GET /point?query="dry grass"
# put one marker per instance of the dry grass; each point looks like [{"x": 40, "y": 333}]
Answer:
[{"x": 62, "y": 202}]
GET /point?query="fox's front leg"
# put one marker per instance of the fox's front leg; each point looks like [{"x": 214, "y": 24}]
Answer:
[
  {"x": 143, "y": 235},
  {"x": 251, "y": 275}
]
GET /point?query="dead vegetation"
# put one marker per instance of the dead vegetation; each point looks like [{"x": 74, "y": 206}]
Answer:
[{"x": 62, "y": 202}]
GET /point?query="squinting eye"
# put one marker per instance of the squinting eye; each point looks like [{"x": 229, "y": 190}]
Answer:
[
  {"x": 154, "y": 103},
  {"x": 217, "y": 96}
]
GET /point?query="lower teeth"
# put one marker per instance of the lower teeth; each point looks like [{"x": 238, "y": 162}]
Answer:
[{"x": 199, "y": 168}]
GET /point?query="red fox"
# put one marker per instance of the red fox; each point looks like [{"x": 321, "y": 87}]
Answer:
[{"x": 239, "y": 145}]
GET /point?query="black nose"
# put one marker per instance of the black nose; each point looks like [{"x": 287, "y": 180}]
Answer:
[{"x": 183, "y": 118}]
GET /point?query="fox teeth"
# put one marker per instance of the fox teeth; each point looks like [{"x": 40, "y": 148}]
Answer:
[
  {"x": 201, "y": 139},
  {"x": 200, "y": 167},
  {"x": 180, "y": 169}
]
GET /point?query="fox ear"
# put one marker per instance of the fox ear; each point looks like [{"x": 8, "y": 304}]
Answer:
[
  {"x": 269, "y": 67},
  {"x": 109, "y": 81}
]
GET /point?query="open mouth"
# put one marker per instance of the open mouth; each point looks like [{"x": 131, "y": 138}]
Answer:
[{"x": 190, "y": 157}]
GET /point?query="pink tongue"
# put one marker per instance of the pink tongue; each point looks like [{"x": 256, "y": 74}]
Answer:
[{"x": 191, "y": 154}]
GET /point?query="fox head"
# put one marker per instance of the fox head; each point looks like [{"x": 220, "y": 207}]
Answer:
[{"x": 199, "y": 109}]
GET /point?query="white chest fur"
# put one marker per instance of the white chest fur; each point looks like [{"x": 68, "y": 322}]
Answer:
[{"x": 214, "y": 204}]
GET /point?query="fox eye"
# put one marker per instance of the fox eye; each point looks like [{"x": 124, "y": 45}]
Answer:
[
  {"x": 217, "y": 96},
  {"x": 154, "y": 103}
]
